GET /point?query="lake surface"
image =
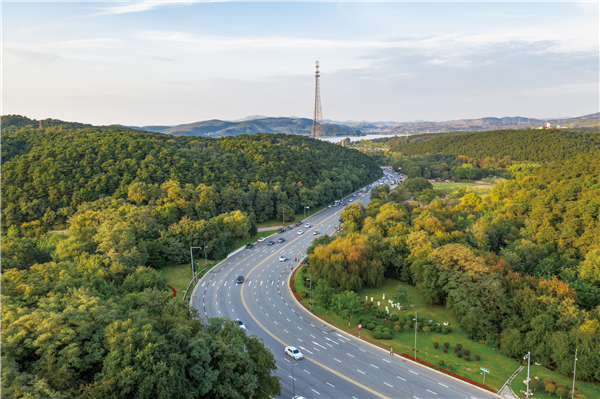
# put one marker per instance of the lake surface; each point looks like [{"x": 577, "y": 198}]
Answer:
[{"x": 337, "y": 139}]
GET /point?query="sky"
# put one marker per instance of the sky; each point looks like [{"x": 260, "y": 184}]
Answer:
[{"x": 167, "y": 63}]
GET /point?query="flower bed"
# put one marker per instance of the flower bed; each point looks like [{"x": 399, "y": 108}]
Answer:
[{"x": 450, "y": 373}]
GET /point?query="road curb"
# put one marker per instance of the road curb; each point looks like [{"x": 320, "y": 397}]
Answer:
[{"x": 377, "y": 347}]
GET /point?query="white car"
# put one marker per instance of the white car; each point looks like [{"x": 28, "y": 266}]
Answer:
[
  {"x": 282, "y": 258},
  {"x": 328, "y": 206},
  {"x": 316, "y": 232},
  {"x": 261, "y": 239},
  {"x": 300, "y": 232},
  {"x": 307, "y": 225},
  {"x": 241, "y": 324},
  {"x": 293, "y": 352}
]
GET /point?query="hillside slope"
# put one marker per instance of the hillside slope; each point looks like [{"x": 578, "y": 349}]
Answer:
[{"x": 520, "y": 145}]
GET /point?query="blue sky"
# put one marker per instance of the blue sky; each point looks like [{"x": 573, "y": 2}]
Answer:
[{"x": 143, "y": 63}]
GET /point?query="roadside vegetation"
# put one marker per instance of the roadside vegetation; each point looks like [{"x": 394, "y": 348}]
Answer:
[{"x": 516, "y": 268}]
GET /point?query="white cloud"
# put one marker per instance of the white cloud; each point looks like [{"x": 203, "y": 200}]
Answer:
[{"x": 30, "y": 57}]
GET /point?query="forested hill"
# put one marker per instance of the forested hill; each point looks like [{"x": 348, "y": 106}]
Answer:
[
  {"x": 519, "y": 145},
  {"x": 51, "y": 171}
]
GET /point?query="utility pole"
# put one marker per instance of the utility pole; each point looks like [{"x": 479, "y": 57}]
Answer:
[
  {"x": 528, "y": 357},
  {"x": 574, "y": 370},
  {"x": 293, "y": 381},
  {"x": 192, "y": 256},
  {"x": 416, "y": 322},
  {"x": 310, "y": 283},
  {"x": 205, "y": 258},
  {"x": 317, "y": 128}
]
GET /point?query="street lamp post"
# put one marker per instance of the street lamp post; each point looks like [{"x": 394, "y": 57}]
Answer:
[
  {"x": 192, "y": 256},
  {"x": 528, "y": 357},
  {"x": 293, "y": 380},
  {"x": 283, "y": 218},
  {"x": 310, "y": 284},
  {"x": 205, "y": 258},
  {"x": 574, "y": 370},
  {"x": 416, "y": 323}
]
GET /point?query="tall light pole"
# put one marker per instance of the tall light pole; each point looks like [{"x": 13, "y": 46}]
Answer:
[
  {"x": 416, "y": 323},
  {"x": 310, "y": 284},
  {"x": 293, "y": 381},
  {"x": 205, "y": 258},
  {"x": 283, "y": 218},
  {"x": 192, "y": 256},
  {"x": 574, "y": 370},
  {"x": 528, "y": 357}
]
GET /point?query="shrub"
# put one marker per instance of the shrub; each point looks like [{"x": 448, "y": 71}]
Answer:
[
  {"x": 478, "y": 358},
  {"x": 435, "y": 345},
  {"x": 441, "y": 362},
  {"x": 410, "y": 323},
  {"x": 467, "y": 358},
  {"x": 387, "y": 322},
  {"x": 546, "y": 382},
  {"x": 397, "y": 323},
  {"x": 456, "y": 349},
  {"x": 446, "y": 344},
  {"x": 394, "y": 318},
  {"x": 377, "y": 334},
  {"x": 560, "y": 391},
  {"x": 402, "y": 320},
  {"x": 370, "y": 326},
  {"x": 397, "y": 327},
  {"x": 406, "y": 327},
  {"x": 533, "y": 384},
  {"x": 445, "y": 350},
  {"x": 459, "y": 346},
  {"x": 467, "y": 352},
  {"x": 303, "y": 294},
  {"x": 426, "y": 330},
  {"x": 550, "y": 388},
  {"x": 387, "y": 335},
  {"x": 459, "y": 354},
  {"x": 374, "y": 318},
  {"x": 450, "y": 367},
  {"x": 445, "y": 330}
]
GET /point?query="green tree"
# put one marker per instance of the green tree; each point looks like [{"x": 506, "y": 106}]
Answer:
[
  {"x": 323, "y": 295},
  {"x": 346, "y": 305}
]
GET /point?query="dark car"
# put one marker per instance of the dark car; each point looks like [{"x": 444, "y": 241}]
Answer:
[
  {"x": 281, "y": 239},
  {"x": 249, "y": 245},
  {"x": 281, "y": 231},
  {"x": 270, "y": 243},
  {"x": 240, "y": 279}
]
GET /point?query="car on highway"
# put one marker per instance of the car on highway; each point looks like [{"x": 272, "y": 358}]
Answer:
[
  {"x": 300, "y": 232},
  {"x": 289, "y": 227},
  {"x": 261, "y": 239},
  {"x": 328, "y": 206},
  {"x": 280, "y": 240},
  {"x": 307, "y": 225},
  {"x": 249, "y": 245},
  {"x": 293, "y": 352},
  {"x": 241, "y": 324},
  {"x": 282, "y": 258},
  {"x": 270, "y": 242},
  {"x": 316, "y": 232},
  {"x": 281, "y": 231},
  {"x": 240, "y": 280}
]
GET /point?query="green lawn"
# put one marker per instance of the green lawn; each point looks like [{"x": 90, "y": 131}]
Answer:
[
  {"x": 590, "y": 391},
  {"x": 452, "y": 186},
  {"x": 178, "y": 276},
  {"x": 501, "y": 367}
]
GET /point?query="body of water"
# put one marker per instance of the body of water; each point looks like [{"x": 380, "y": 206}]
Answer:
[{"x": 337, "y": 139}]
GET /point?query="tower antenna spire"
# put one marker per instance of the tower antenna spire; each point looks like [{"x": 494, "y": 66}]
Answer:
[{"x": 317, "y": 128}]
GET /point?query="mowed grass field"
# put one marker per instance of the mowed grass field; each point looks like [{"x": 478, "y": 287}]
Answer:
[{"x": 501, "y": 367}]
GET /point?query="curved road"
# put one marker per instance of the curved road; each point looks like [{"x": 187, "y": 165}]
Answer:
[{"x": 335, "y": 365}]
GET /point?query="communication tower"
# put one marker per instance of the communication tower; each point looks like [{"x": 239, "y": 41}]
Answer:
[{"x": 317, "y": 128}]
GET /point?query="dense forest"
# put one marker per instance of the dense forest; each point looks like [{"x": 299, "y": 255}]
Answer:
[
  {"x": 518, "y": 145},
  {"x": 85, "y": 314},
  {"x": 520, "y": 267},
  {"x": 49, "y": 173}
]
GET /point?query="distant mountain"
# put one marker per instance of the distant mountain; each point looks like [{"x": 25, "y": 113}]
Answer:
[{"x": 217, "y": 128}]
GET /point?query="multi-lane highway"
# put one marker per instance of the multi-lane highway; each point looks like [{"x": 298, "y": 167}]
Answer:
[{"x": 336, "y": 365}]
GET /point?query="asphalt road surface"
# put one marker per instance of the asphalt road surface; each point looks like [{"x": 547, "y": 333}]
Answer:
[{"x": 335, "y": 365}]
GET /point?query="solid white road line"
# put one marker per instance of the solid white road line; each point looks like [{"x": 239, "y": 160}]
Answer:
[
  {"x": 428, "y": 390},
  {"x": 361, "y": 371},
  {"x": 389, "y": 385},
  {"x": 413, "y": 372}
]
